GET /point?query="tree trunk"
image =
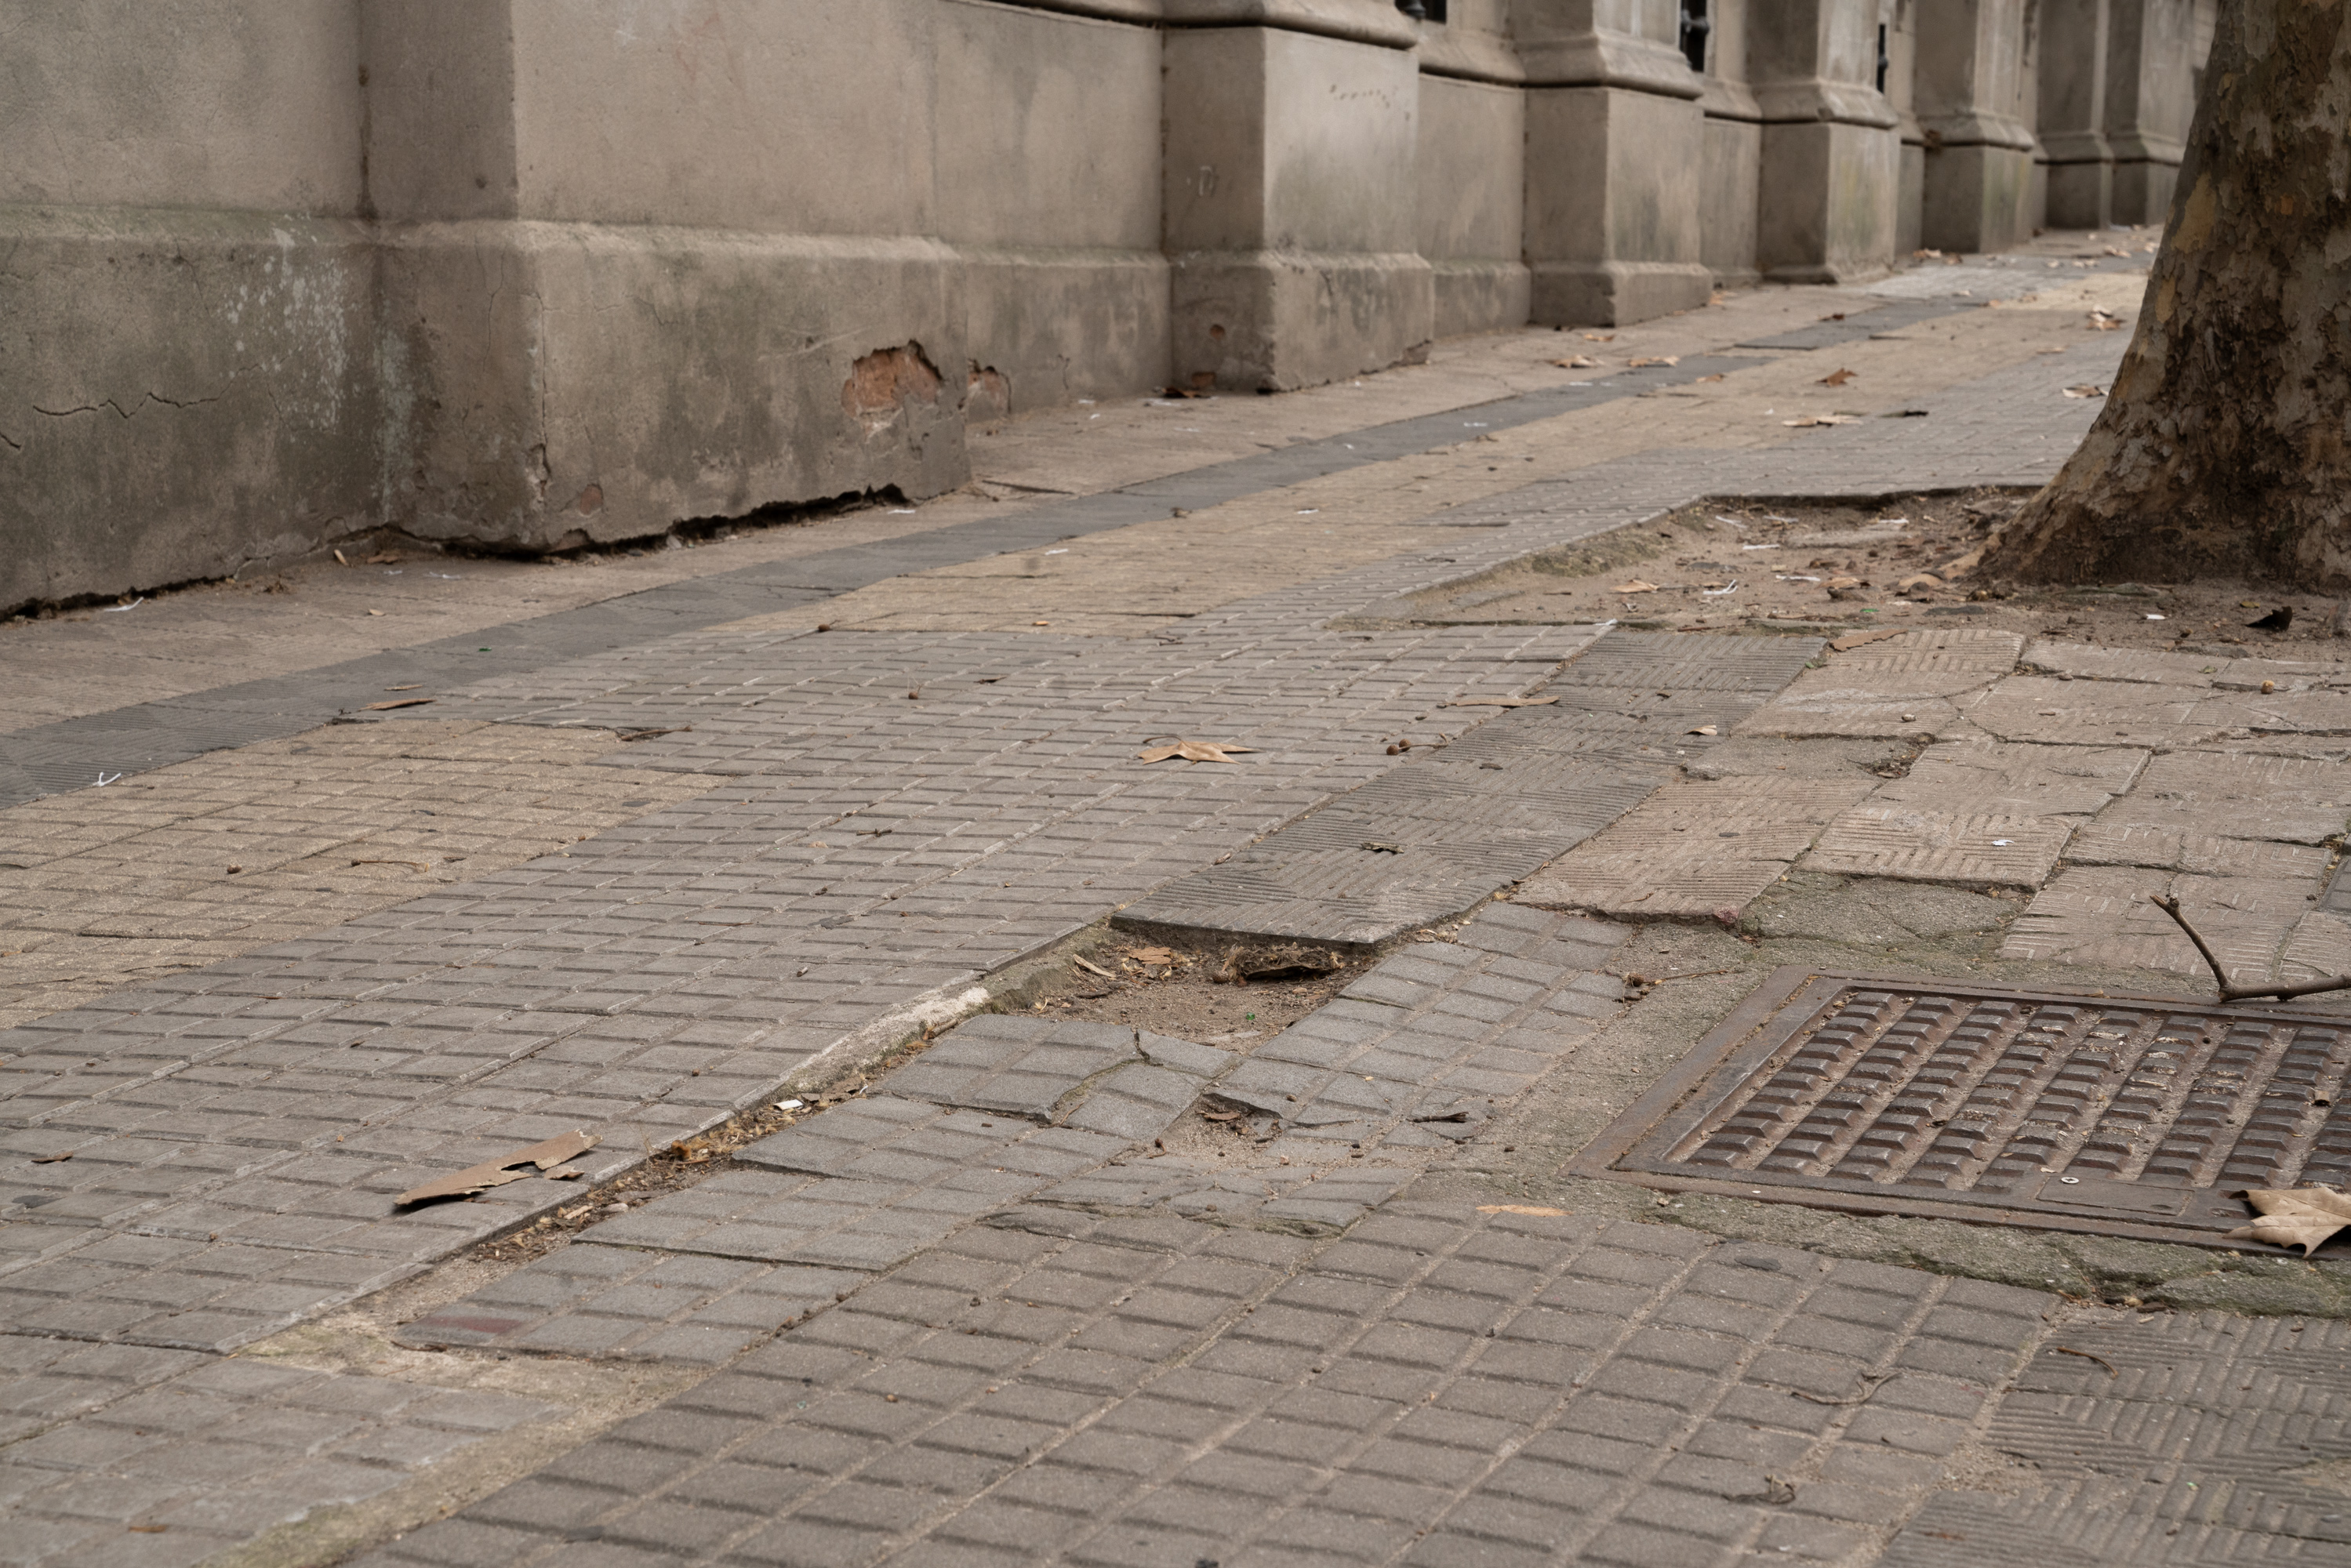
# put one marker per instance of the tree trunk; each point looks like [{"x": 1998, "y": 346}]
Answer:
[{"x": 2225, "y": 443}]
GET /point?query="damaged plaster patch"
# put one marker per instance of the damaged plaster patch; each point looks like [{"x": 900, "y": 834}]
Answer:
[{"x": 881, "y": 385}]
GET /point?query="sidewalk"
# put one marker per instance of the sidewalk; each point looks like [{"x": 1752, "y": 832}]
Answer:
[{"x": 1107, "y": 1268}]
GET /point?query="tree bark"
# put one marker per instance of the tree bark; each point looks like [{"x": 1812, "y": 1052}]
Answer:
[{"x": 2224, "y": 448}]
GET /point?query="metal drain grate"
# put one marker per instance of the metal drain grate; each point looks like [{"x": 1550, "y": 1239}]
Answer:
[{"x": 2138, "y": 1117}]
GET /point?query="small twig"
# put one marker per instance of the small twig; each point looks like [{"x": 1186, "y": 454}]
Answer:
[
  {"x": 2229, "y": 993},
  {"x": 1868, "y": 1386},
  {"x": 2086, "y": 1356}
]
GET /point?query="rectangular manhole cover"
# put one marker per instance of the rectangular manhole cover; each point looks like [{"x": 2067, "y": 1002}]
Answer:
[{"x": 2138, "y": 1117}]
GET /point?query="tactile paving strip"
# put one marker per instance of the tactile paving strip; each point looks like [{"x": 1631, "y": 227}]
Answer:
[{"x": 2136, "y": 1116}]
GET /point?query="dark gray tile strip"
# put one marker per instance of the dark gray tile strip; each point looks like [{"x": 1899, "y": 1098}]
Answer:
[{"x": 76, "y": 752}]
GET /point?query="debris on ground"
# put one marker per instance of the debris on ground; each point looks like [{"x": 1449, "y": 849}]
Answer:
[
  {"x": 542, "y": 1157},
  {"x": 1193, "y": 751}
]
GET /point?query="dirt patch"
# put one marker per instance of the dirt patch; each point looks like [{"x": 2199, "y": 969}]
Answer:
[
  {"x": 1178, "y": 991},
  {"x": 1778, "y": 565}
]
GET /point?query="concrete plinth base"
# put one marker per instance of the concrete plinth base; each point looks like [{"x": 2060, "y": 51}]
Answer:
[
  {"x": 1614, "y": 293},
  {"x": 1834, "y": 186},
  {"x": 1977, "y": 197},
  {"x": 2143, "y": 190},
  {"x": 1478, "y": 296},
  {"x": 1727, "y": 203},
  {"x": 1276, "y": 320}
]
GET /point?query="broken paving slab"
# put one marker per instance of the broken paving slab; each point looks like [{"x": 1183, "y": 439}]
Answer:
[
  {"x": 2014, "y": 779},
  {"x": 1107, "y": 1078},
  {"x": 2290, "y": 799},
  {"x": 591, "y": 1300},
  {"x": 1911, "y": 686},
  {"x": 2102, "y": 916},
  {"x": 1438, "y": 835},
  {"x": 2180, "y": 849},
  {"x": 1286, "y": 1196},
  {"x": 1693, "y": 849},
  {"x": 1961, "y": 848}
]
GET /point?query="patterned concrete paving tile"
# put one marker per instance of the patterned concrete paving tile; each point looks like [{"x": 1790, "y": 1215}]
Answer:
[
  {"x": 1916, "y": 685},
  {"x": 2183, "y": 849},
  {"x": 2191, "y": 1438},
  {"x": 2102, "y": 915},
  {"x": 2066, "y": 712},
  {"x": 592, "y": 1300},
  {"x": 1968, "y": 847},
  {"x": 1029, "y": 1067},
  {"x": 1440, "y": 1385},
  {"x": 2288, "y": 799},
  {"x": 173, "y": 1468},
  {"x": 1695, "y": 849},
  {"x": 865, "y": 1221}
]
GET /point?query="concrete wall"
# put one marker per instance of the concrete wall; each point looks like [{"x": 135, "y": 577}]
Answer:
[{"x": 530, "y": 274}]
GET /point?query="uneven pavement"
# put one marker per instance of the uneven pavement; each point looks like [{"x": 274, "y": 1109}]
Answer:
[{"x": 1060, "y": 1287}]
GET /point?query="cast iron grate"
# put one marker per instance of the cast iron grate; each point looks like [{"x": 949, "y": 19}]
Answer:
[{"x": 2138, "y": 1117}]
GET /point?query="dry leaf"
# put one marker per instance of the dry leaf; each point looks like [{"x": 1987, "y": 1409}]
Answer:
[
  {"x": 1852, "y": 640},
  {"x": 1581, "y": 362},
  {"x": 1600, "y": 337},
  {"x": 1715, "y": 377},
  {"x": 2086, "y": 390},
  {"x": 1836, "y": 378},
  {"x": 1193, "y": 751},
  {"x": 1701, "y": 729},
  {"x": 1523, "y": 1208},
  {"x": 1658, "y": 360},
  {"x": 1919, "y": 579},
  {"x": 1154, "y": 955},
  {"x": 566, "y": 1173},
  {"x": 397, "y": 702},
  {"x": 1501, "y": 702},
  {"x": 500, "y": 1171},
  {"x": 1636, "y": 586},
  {"x": 2295, "y": 1217},
  {"x": 53, "y": 1159},
  {"x": 1808, "y": 420}
]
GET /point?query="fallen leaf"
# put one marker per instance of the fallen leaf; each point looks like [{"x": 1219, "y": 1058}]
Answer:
[
  {"x": 53, "y": 1159},
  {"x": 2086, "y": 390},
  {"x": 1837, "y": 582},
  {"x": 1715, "y": 377},
  {"x": 148, "y": 1528},
  {"x": 2102, "y": 322},
  {"x": 1193, "y": 751},
  {"x": 1636, "y": 586},
  {"x": 499, "y": 1171},
  {"x": 1581, "y": 362},
  {"x": 2295, "y": 1217},
  {"x": 1600, "y": 337},
  {"x": 420, "y": 865},
  {"x": 1654, "y": 360},
  {"x": 1701, "y": 729},
  {"x": 1152, "y": 955},
  {"x": 1220, "y": 1115},
  {"x": 1919, "y": 579},
  {"x": 1810, "y": 419},
  {"x": 1852, "y": 640},
  {"x": 1380, "y": 847},
  {"x": 1501, "y": 702},
  {"x": 1534, "y": 1210},
  {"x": 566, "y": 1173},
  {"x": 1836, "y": 378},
  {"x": 397, "y": 702},
  {"x": 1776, "y": 1492}
]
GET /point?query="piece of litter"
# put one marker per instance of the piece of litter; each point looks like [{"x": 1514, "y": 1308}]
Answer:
[
  {"x": 2002, "y": 843},
  {"x": 1718, "y": 592},
  {"x": 1758, "y": 547},
  {"x": 105, "y": 778},
  {"x": 1063, "y": 550},
  {"x": 1701, "y": 729},
  {"x": 1653, "y": 360},
  {"x": 789, "y": 1104},
  {"x": 1193, "y": 751},
  {"x": 396, "y": 702},
  {"x": 1581, "y": 362},
  {"x": 1308, "y": 511},
  {"x": 1636, "y": 586},
  {"x": 2086, "y": 390},
  {"x": 119, "y": 608},
  {"x": 543, "y": 1156},
  {"x": 2154, "y": 617},
  {"x": 1094, "y": 969}
]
